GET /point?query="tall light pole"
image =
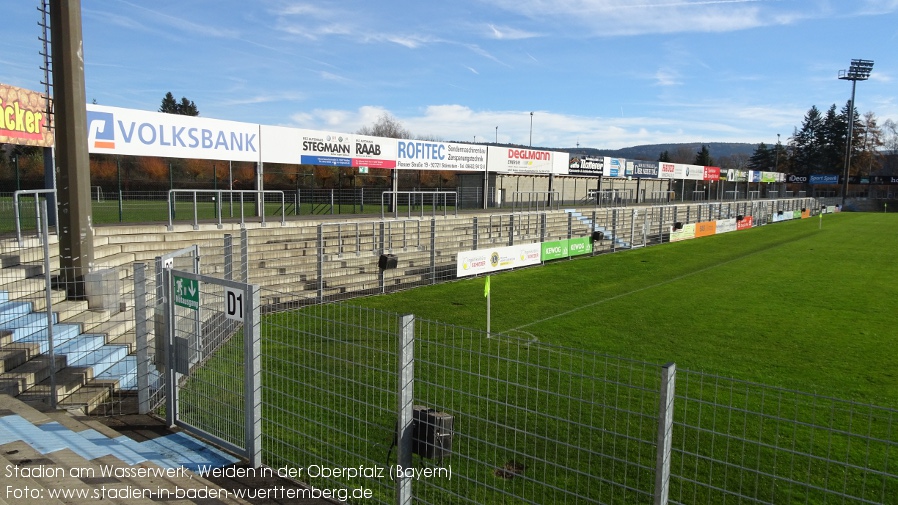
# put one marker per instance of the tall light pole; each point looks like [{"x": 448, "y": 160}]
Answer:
[
  {"x": 531, "y": 129},
  {"x": 859, "y": 71},
  {"x": 497, "y": 135}
]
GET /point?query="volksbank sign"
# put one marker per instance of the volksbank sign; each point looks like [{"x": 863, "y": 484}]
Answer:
[{"x": 111, "y": 130}]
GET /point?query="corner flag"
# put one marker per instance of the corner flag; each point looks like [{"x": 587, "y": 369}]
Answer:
[{"x": 486, "y": 287}]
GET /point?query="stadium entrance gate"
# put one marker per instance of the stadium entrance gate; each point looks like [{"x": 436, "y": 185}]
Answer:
[{"x": 207, "y": 317}]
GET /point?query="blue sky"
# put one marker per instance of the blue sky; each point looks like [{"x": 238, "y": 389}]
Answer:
[{"x": 598, "y": 73}]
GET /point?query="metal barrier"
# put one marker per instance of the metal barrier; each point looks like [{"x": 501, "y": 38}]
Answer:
[
  {"x": 412, "y": 200},
  {"x": 534, "y": 201},
  {"x": 217, "y": 202},
  {"x": 37, "y": 212}
]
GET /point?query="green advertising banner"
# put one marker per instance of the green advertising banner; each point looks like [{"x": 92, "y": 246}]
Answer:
[
  {"x": 554, "y": 250},
  {"x": 579, "y": 246},
  {"x": 558, "y": 249}
]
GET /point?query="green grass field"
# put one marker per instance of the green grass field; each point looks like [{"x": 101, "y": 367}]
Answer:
[{"x": 788, "y": 304}]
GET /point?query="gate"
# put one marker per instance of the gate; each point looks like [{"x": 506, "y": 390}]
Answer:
[{"x": 218, "y": 399}]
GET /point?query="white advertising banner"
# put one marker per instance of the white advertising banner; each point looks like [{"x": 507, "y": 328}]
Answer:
[
  {"x": 614, "y": 167},
  {"x": 693, "y": 172},
  {"x": 111, "y": 130},
  {"x": 685, "y": 233},
  {"x": 313, "y": 147},
  {"x": 427, "y": 155},
  {"x": 526, "y": 161},
  {"x": 726, "y": 225},
  {"x": 484, "y": 261},
  {"x": 667, "y": 170}
]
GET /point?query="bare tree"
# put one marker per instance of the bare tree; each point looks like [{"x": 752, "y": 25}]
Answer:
[
  {"x": 386, "y": 126},
  {"x": 868, "y": 159},
  {"x": 890, "y": 147}
]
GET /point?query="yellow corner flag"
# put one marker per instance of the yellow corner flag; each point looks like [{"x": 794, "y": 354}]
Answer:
[{"x": 486, "y": 287}]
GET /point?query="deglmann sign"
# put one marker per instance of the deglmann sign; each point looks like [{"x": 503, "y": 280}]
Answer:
[
  {"x": 111, "y": 130},
  {"x": 512, "y": 160}
]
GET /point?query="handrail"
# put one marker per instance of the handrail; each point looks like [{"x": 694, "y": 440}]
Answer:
[
  {"x": 434, "y": 202},
  {"x": 218, "y": 194},
  {"x": 37, "y": 213},
  {"x": 548, "y": 199}
]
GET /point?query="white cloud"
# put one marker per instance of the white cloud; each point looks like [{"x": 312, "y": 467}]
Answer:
[
  {"x": 675, "y": 123},
  {"x": 508, "y": 33},
  {"x": 667, "y": 77}
]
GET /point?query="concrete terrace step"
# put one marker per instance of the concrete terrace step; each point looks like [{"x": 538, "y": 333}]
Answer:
[
  {"x": 28, "y": 374},
  {"x": 170, "y": 451},
  {"x": 88, "y": 449}
]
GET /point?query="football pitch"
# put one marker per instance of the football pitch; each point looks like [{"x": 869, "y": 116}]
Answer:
[{"x": 807, "y": 305}]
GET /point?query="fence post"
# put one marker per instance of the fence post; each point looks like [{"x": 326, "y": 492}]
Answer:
[
  {"x": 228, "y": 257},
  {"x": 433, "y": 251},
  {"x": 320, "y": 266},
  {"x": 141, "y": 338},
  {"x": 665, "y": 432},
  {"x": 44, "y": 233},
  {"x": 404, "y": 429},
  {"x": 570, "y": 225},
  {"x": 252, "y": 385},
  {"x": 171, "y": 377},
  {"x": 614, "y": 230},
  {"x": 475, "y": 233},
  {"x": 511, "y": 230},
  {"x": 244, "y": 253}
]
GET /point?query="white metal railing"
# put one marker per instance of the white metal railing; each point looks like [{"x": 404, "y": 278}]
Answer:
[
  {"x": 37, "y": 211},
  {"x": 217, "y": 199},
  {"x": 412, "y": 200}
]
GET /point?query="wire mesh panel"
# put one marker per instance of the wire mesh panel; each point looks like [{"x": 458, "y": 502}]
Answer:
[
  {"x": 535, "y": 423},
  {"x": 739, "y": 442},
  {"x": 329, "y": 397}
]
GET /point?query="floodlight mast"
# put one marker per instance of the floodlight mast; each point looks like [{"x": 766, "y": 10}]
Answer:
[{"x": 858, "y": 71}]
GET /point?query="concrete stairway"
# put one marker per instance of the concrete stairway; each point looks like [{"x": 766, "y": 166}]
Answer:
[{"x": 55, "y": 452}]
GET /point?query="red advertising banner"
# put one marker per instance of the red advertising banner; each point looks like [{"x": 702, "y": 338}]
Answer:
[
  {"x": 744, "y": 223},
  {"x": 712, "y": 174}
]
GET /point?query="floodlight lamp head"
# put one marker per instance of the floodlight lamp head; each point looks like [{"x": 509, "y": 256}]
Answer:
[{"x": 859, "y": 71}]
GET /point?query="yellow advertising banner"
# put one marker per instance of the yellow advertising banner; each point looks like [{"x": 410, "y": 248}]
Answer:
[
  {"x": 705, "y": 229},
  {"x": 23, "y": 118}
]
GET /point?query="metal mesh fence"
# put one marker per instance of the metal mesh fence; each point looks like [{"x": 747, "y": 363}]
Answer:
[
  {"x": 329, "y": 395},
  {"x": 535, "y": 423},
  {"x": 740, "y": 442}
]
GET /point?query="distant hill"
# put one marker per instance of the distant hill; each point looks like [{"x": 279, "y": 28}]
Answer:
[{"x": 651, "y": 152}]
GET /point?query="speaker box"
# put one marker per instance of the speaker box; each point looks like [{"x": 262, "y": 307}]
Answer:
[
  {"x": 432, "y": 433},
  {"x": 387, "y": 261},
  {"x": 678, "y": 226},
  {"x": 740, "y": 217},
  {"x": 597, "y": 236}
]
